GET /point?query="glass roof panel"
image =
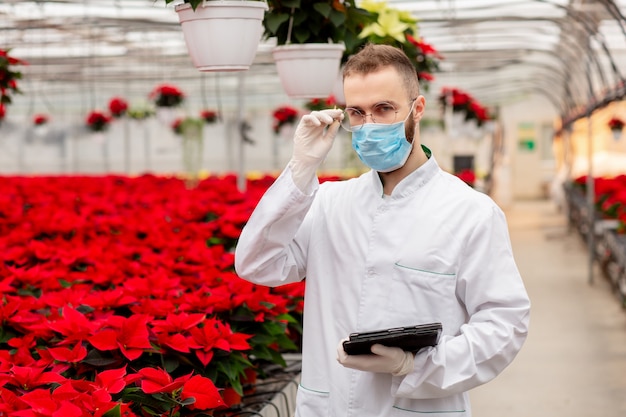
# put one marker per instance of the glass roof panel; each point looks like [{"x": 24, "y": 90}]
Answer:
[{"x": 490, "y": 47}]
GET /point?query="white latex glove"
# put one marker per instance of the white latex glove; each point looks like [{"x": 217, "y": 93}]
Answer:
[
  {"x": 384, "y": 359},
  {"x": 313, "y": 140}
]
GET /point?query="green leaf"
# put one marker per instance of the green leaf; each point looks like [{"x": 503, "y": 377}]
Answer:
[
  {"x": 287, "y": 317},
  {"x": 5, "y": 335},
  {"x": 337, "y": 18},
  {"x": 114, "y": 412},
  {"x": 291, "y": 3},
  {"x": 323, "y": 8},
  {"x": 187, "y": 401},
  {"x": 273, "y": 21}
]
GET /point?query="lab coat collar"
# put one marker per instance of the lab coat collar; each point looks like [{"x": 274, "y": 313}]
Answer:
[{"x": 412, "y": 182}]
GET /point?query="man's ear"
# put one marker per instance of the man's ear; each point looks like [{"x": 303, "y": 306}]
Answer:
[{"x": 419, "y": 108}]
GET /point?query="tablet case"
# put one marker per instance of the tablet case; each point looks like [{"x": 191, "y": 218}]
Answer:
[{"x": 409, "y": 338}]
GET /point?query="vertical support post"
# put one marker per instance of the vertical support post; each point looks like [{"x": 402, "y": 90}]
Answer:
[
  {"x": 241, "y": 174},
  {"x": 590, "y": 199}
]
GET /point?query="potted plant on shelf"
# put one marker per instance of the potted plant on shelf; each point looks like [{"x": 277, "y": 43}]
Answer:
[
  {"x": 221, "y": 35},
  {"x": 311, "y": 39}
]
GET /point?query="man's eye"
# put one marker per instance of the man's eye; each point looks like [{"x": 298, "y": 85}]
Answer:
[
  {"x": 384, "y": 108},
  {"x": 354, "y": 113}
]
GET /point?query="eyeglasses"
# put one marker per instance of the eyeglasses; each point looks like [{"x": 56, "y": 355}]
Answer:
[{"x": 382, "y": 113}]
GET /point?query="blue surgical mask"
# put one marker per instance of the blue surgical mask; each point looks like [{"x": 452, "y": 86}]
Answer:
[{"x": 382, "y": 147}]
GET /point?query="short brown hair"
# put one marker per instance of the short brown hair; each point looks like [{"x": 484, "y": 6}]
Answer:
[{"x": 374, "y": 57}]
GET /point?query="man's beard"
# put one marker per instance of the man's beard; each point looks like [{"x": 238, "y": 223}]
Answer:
[{"x": 409, "y": 129}]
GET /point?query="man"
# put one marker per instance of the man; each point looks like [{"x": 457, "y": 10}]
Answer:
[{"x": 405, "y": 243}]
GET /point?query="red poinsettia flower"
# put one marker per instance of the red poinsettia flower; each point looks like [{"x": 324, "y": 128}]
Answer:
[
  {"x": 42, "y": 403},
  {"x": 92, "y": 400},
  {"x": 321, "y": 103},
  {"x": 209, "y": 116},
  {"x": 118, "y": 107},
  {"x": 426, "y": 48},
  {"x": 425, "y": 76},
  {"x": 616, "y": 123},
  {"x": 129, "y": 335},
  {"x": 40, "y": 119},
  {"x": 28, "y": 378},
  {"x": 166, "y": 95},
  {"x": 154, "y": 381},
  {"x": 8, "y": 78},
  {"x": 203, "y": 391},
  {"x": 216, "y": 334},
  {"x": 73, "y": 326},
  {"x": 468, "y": 176},
  {"x": 97, "y": 121},
  {"x": 111, "y": 380},
  {"x": 63, "y": 354},
  {"x": 283, "y": 115}
]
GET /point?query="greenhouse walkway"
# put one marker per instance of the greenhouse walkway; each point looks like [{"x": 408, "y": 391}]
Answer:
[{"x": 574, "y": 361}]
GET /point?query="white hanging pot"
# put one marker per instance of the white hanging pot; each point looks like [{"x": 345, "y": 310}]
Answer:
[
  {"x": 338, "y": 88},
  {"x": 167, "y": 115},
  {"x": 222, "y": 35},
  {"x": 308, "y": 70}
]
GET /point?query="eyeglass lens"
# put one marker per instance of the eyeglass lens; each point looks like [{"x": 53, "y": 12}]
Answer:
[{"x": 384, "y": 113}]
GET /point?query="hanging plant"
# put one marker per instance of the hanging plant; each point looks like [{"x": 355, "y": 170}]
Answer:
[
  {"x": 40, "y": 119},
  {"x": 97, "y": 121},
  {"x": 283, "y": 116},
  {"x": 399, "y": 28},
  {"x": 167, "y": 95},
  {"x": 118, "y": 107},
  {"x": 463, "y": 102},
  {"x": 616, "y": 124},
  {"x": 321, "y": 103},
  {"x": 140, "y": 112},
  {"x": 297, "y": 21},
  {"x": 209, "y": 116},
  {"x": 8, "y": 78}
]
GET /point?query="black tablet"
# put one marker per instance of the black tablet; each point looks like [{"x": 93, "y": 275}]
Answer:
[{"x": 409, "y": 338}]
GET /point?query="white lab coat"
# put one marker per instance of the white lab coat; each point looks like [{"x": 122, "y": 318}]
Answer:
[{"x": 435, "y": 250}]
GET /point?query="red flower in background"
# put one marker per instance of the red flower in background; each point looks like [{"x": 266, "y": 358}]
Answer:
[
  {"x": 468, "y": 176},
  {"x": 321, "y": 103},
  {"x": 462, "y": 101},
  {"x": 209, "y": 116},
  {"x": 616, "y": 124},
  {"x": 112, "y": 273},
  {"x": 166, "y": 95},
  {"x": 40, "y": 119},
  {"x": 118, "y": 107},
  {"x": 8, "y": 78},
  {"x": 97, "y": 121},
  {"x": 284, "y": 115}
]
